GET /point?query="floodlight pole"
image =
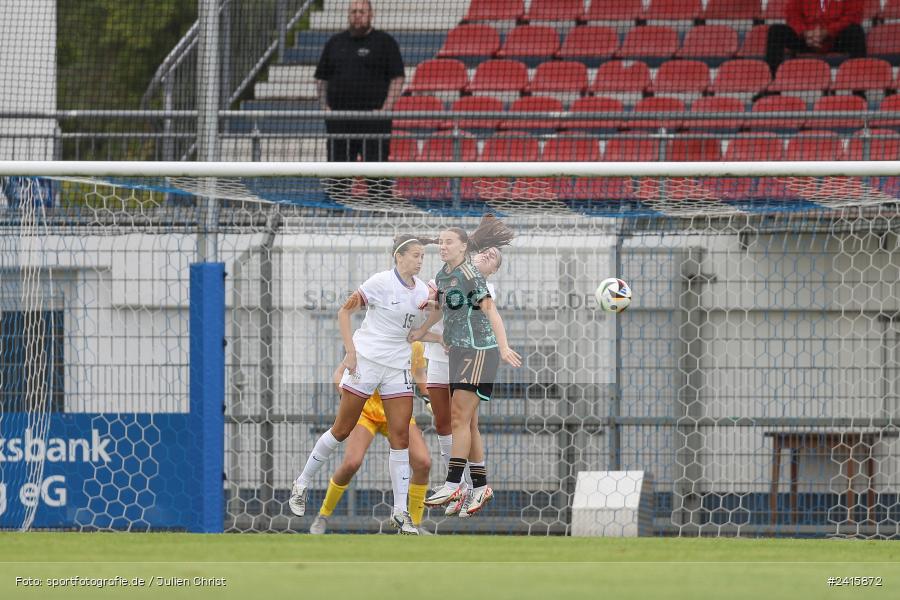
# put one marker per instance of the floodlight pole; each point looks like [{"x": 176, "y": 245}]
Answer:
[{"x": 208, "y": 97}]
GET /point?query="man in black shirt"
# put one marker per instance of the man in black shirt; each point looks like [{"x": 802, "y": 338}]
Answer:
[{"x": 360, "y": 69}]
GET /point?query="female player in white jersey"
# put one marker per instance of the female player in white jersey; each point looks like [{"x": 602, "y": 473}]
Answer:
[
  {"x": 487, "y": 262},
  {"x": 476, "y": 338},
  {"x": 377, "y": 358}
]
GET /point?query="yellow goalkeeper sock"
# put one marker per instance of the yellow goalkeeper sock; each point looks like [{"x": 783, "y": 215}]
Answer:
[
  {"x": 332, "y": 497},
  {"x": 417, "y": 493}
]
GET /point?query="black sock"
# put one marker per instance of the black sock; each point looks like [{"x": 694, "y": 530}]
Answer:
[
  {"x": 455, "y": 470},
  {"x": 479, "y": 475}
]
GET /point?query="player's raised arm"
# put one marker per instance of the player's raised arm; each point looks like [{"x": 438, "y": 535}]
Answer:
[
  {"x": 507, "y": 354},
  {"x": 419, "y": 333}
]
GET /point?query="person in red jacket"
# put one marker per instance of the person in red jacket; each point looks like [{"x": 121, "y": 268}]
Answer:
[{"x": 818, "y": 26}]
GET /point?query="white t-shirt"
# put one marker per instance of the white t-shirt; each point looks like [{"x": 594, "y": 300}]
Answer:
[
  {"x": 392, "y": 309},
  {"x": 435, "y": 351}
]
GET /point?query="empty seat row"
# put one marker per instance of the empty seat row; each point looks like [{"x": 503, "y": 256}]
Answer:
[
  {"x": 761, "y": 146},
  {"x": 705, "y": 108},
  {"x": 592, "y": 41},
  {"x": 570, "y": 79},
  {"x": 663, "y": 10},
  {"x": 474, "y": 42}
]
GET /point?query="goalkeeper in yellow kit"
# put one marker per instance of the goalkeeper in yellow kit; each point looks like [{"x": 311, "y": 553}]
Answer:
[{"x": 373, "y": 421}]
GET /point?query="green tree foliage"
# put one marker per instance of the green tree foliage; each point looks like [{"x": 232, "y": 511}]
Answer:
[{"x": 108, "y": 50}]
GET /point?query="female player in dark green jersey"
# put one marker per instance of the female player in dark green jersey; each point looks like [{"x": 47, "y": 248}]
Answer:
[{"x": 476, "y": 338}]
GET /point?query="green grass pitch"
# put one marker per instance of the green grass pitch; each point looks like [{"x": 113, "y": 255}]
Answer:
[{"x": 263, "y": 566}]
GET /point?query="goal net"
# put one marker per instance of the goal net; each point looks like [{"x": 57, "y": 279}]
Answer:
[{"x": 753, "y": 381}]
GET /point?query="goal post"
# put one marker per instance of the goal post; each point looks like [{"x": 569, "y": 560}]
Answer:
[{"x": 753, "y": 379}]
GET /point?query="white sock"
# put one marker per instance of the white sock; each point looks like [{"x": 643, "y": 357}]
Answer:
[
  {"x": 325, "y": 445},
  {"x": 399, "y": 467},
  {"x": 445, "y": 442},
  {"x": 468, "y": 475}
]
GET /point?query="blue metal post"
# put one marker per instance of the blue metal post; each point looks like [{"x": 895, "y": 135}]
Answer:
[{"x": 207, "y": 389}]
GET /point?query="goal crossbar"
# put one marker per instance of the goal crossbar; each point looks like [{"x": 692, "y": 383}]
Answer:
[{"x": 449, "y": 169}]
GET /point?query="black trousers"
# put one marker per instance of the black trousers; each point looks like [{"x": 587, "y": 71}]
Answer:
[
  {"x": 850, "y": 40},
  {"x": 351, "y": 149}
]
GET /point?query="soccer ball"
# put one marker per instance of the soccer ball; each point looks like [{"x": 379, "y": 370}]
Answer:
[{"x": 613, "y": 295}]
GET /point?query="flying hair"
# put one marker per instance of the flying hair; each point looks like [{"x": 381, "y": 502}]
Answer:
[{"x": 491, "y": 233}]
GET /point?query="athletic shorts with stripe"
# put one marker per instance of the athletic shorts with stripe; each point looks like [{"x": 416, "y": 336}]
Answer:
[{"x": 474, "y": 370}]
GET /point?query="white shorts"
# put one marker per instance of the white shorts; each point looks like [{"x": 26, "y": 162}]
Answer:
[
  {"x": 370, "y": 376},
  {"x": 438, "y": 374}
]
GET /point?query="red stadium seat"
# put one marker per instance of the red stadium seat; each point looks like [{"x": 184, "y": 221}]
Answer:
[
  {"x": 682, "y": 78},
  {"x": 657, "y": 104},
  {"x": 839, "y": 103},
  {"x": 776, "y": 104},
  {"x": 891, "y": 10},
  {"x": 884, "y": 40},
  {"x": 534, "y": 104},
  {"x": 775, "y": 10},
  {"x": 694, "y": 149},
  {"x": 420, "y": 103},
  {"x": 618, "y": 188},
  {"x": 471, "y": 40},
  {"x": 672, "y": 10},
  {"x": 554, "y": 10},
  {"x": 404, "y": 148},
  {"x": 890, "y": 104},
  {"x": 631, "y": 150},
  {"x": 863, "y": 74},
  {"x": 478, "y": 104},
  {"x": 626, "y": 80},
  {"x": 815, "y": 145},
  {"x": 438, "y": 149},
  {"x": 516, "y": 146},
  {"x": 502, "y": 78},
  {"x": 709, "y": 41},
  {"x": 530, "y": 41},
  {"x": 716, "y": 104},
  {"x": 649, "y": 41},
  {"x": 566, "y": 148},
  {"x": 439, "y": 75},
  {"x": 872, "y": 9},
  {"x": 809, "y": 75},
  {"x": 564, "y": 80},
  {"x": 444, "y": 149},
  {"x": 495, "y": 10},
  {"x": 754, "y": 44},
  {"x": 613, "y": 10},
  {"x": 742, "y": 78},
  {"x": 727, "y": 10},
  {"x": 762, "y": 146},
  {"x": 595, "y": 104},
  {"x": 591, "y": 41},
  {"x": 884, "y": 144}
]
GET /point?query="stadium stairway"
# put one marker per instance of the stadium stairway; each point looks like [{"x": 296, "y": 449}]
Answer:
[{"x": 291, "y": 86}]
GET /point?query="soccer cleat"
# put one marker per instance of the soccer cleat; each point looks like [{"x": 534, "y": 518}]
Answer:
[
  {"x": 319, "y": 525},
  {"x": 454, "y": 507},
  {"x": 403, "y": 523},
  {"x": 297, "y": 502},
  {"x": 476, "y": 501},
  {"x": 443, "y": 495}
]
